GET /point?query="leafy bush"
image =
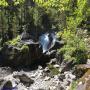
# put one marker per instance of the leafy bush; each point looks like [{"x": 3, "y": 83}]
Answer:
[
  {"x": 74, "y": 48},
  {"x": 72, "y": 12},
  {"x": 8, "y": 2}
]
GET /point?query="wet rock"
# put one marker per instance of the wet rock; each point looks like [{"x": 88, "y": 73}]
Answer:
[
  {"x": 25, "y": 79},
  {"x": 84, "y": 82},
  {"x": 56, "y": 66},
  {"x": 40, "y": 67},
  {"x": 47, "y": 78},
  {"x": 88, "y": 61},
  {"x": 25, "y": 36},
  {"x": 61, "y": 77},
  {"x": 56, "y": 77},
  {"x": 20, "y": 55},
  {"x": 67, "y": 66},
  {"x": 69, "y": 75},
  {"x": 83, "y": 66},
  {"x": 61, "y": 88},
  {"x": 1, "y": 82},
  {"x": 7, "y": 85},
  {"x": 81, "y": 86},
  {"x": 4, "y": 71},
  {"x": 53, "y": 61},
  {"x": 26, "y": 49},
  {"x": 47, "y": 70},
  {"x": 40, "y": 89},
  {"x": 81, "y": 69}
]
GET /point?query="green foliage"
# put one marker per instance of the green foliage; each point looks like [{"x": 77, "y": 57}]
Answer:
[
  {"x": 7, "y": 2},
  {"x": 37, "y": 15},
  {"x": 53, "y": 70},
  {"x": 25, "y": 49},
  {"x": 74, "y": 10},
  {"x": 10, "y": 18},
  {"x": 3, "y": 3},
  {"x": 74, "y": 85},
  {"x": 63, "y": 15},
  {"x": 15, "y": 41},
  {"x": 77, "y": 15},
  {"x": 75, "y": 48}
]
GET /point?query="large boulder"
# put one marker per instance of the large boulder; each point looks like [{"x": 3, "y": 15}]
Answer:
[
  {"x": 23, "y": 50},
  {"x": 20, "y": 56},
  {"x": 18, "y": 52}
]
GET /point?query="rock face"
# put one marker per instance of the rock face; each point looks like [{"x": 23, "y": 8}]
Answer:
[
  {"x": 23, "y": 50},
  {"x": 84, "y": 82},
  {"x": 7, "y": 85},
  {"x": 22, "y": 56}
]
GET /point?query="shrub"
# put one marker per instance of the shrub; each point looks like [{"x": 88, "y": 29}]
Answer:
[{"x": 74, "y": 48}]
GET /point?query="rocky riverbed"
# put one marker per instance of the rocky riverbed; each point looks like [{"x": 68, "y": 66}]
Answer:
[
  {"x": 52, "y": 76},
  {"x": 40, "y": 78}
]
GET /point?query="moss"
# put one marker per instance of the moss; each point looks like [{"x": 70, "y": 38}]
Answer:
[
  {"x": 14, "y": 42},
  {"x": 88, "y": 56},
  {"x": 53, "y": 70},
  {"x": 25, "y": 48},
  {"x": 73, "y": 85}
]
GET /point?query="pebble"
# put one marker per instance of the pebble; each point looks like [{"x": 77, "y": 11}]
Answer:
[
  {"x": 46, "y": 69},
  {"x": 52, "y": 88},
  {"x": 57, "y": 82},
  {"x": 56, "y": 77},
  {"x": 53, "y": 61},
  {"x": 88, "y": 61},
  {"x": 56, "y": 66},
  {"x": 47, "y": 78},
  {"x": 40, "y": 67}
]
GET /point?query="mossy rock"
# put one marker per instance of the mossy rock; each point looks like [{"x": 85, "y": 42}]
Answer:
[
  {"x": 14, "y": 42},
  {"x": 53, "y": 70},
  {"x": 17, "y": 53}
]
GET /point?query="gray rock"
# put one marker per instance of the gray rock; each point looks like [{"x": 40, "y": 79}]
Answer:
[
  {"x": 4, "y": 71},
  {"x": 25, "y": 79},
  {"x": 47, "y": 70},
  {"x": 53, "y": 61},
  {"x": 56, "y": 77},
  {"x": 61, "y": 77},
  {"x": 52, "y": 88},
  {"x": 7, "y": 85},
  {"x": 1, "y": 82},
  {"x": 40, "y": 67},
  {"x": 47, "y": 78},
  {"x": 88, "y": 61},
  {"x": 56, "y": 66}
]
